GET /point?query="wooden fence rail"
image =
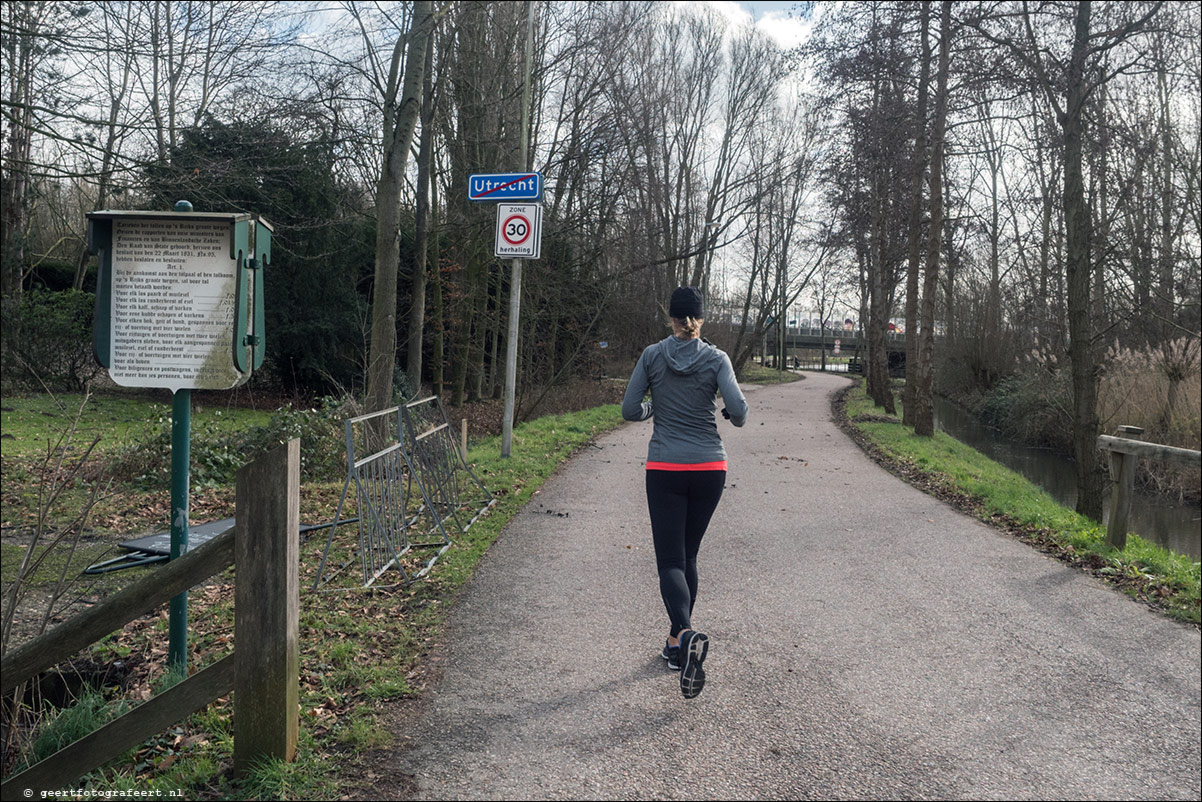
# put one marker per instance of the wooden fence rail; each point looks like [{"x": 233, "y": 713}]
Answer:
[
  {"x": 31, "y": 658},
  {"x": 262, "y": 672},
  {"x": 1124, "y": 454},
  {"x": 126, "y": 732}
]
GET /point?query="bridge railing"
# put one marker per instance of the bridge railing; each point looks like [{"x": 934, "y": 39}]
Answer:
[{"x": 1124, "y": 454}]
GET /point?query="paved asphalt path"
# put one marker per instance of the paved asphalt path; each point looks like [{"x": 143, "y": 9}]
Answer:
[{"x": 867, "y": 642}]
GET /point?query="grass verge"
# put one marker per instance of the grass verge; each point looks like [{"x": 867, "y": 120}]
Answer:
[
  {"x": 962, "y": 476},
  {"x": 360, "y": 650},
  {"x": 758, "y": 374},
  {"x": 32, "y": 423}
]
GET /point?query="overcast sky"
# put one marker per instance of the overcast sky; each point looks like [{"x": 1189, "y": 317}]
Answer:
[{"x": 771, "y": 17}]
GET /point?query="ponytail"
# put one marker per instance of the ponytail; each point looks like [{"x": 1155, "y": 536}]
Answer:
[{"x": 689, "y": 325}]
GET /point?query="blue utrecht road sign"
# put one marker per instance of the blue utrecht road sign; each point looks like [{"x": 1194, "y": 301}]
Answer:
[{"x": 505, "y": 186}]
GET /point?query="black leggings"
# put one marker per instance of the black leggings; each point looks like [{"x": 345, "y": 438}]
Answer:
[{"x": 681, "y": 504}]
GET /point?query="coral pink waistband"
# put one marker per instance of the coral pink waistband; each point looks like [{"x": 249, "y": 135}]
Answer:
[{"x": 687, "y": 466}]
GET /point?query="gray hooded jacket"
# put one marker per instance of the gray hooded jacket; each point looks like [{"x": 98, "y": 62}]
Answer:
[{"x": 684, "y": 376}]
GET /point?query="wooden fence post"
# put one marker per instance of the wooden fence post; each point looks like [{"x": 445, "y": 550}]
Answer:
[
  {"x": 266, "y": 603},
  {"x": 1124, "y": 454},
  {"x": 1122, "y": 474}
]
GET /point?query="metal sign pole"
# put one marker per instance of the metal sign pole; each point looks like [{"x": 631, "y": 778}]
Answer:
[
  {"x": 181, "y": 425},
  {"x": 515, "y": 284},
  {"x": 511, "y": 356},
  {"x": 181, "y": 454}
]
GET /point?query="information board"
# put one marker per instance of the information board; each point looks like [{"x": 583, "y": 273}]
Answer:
[{"x": 173, "y": 292}]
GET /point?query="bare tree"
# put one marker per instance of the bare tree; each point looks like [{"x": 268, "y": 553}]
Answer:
[
  {"x": 918, "y": 168},
  {"x": 864, "y": 52},
  {"x": 117, "y": 33},
  {"x": 32, "y": 34},
  {"x": 425, "y": 159},
  {"x": 924, "y": 423},
  {"x": 194, "y": 51},
  {"x": 1067, "y": 80},
  {"x": 401, "y": 93}
]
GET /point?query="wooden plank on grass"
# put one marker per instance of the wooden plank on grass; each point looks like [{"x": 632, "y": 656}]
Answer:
[
  {"x": 116, "y": 611},
  {"x": 92, "y": 751}
]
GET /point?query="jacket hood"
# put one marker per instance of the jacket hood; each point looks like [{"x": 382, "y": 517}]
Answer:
[{"x": 687, "y": 356}]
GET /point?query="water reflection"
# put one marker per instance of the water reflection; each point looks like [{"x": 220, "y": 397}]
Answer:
[{"x": 1177, "y": 527}]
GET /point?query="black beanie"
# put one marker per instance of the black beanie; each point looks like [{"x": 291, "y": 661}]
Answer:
[{"x": 686, "y": 302}]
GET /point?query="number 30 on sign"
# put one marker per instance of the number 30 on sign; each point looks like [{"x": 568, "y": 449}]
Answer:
[{"x": 519, "y": 230}]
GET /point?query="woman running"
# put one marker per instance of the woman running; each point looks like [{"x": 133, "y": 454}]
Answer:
[{"x": 686, "y": 464}]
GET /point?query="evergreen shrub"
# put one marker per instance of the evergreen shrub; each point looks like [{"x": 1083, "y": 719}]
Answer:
[
  {"x": 47, "y": 341},
  {"x": 218, "y": 453}
]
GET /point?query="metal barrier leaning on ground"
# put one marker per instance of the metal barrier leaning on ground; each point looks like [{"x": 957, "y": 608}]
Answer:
[
  {"x": 383, "y": 477},
  {"x": 442, "y": 465},
  {"x": 407, "y": 488}
]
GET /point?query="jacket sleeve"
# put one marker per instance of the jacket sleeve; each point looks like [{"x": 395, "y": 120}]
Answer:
[
  {"x": 633, "y": 405},
  {"x": 732, "y": 396}
]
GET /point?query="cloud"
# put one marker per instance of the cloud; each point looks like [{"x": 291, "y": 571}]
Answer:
[
  {"x": 734, "y": 12},
  {"x": 775, "y": 23},
  {"x": 786, "y": 31}
]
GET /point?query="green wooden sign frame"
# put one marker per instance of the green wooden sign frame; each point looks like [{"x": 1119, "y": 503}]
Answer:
[{"x": 250, "y": 246}]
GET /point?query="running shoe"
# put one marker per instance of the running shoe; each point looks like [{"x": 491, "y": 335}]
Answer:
[
  {"x": 693, "y": 648},
  {"x": 672, "y": 655}
]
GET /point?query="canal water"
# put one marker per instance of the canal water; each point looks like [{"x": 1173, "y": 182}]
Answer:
[{"x": 1177, "y": 527}]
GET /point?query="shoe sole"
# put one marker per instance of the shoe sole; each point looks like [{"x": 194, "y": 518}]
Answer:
[{"x": 692, "y": 675}]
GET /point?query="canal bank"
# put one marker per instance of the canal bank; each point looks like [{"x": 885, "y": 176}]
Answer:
[
  {"x": 1177, "y": 527},
  {"x": 963, "y": 477}
]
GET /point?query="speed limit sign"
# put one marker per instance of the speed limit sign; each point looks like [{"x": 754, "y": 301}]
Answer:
[{"x": 519, "y": 230}]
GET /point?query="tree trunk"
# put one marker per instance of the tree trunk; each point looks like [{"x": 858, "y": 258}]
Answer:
[
  {"x": 924, "y": 418},
  {"x": 1165, "y": 291},
  {"x": 950, "y": 269},
  {"x": 877, "y": 373},
  {"x": 14, "y": 188},
  {"x": 400, "y": 120},
  {"x": 496, "y": 383},
  {"x": 916, "y": 182},
  {"x": 862, "y": 336},
  {"x": 156, "y": 106},
  {"x": 878, "y": 312},
  {"x": 993, "y": 312},
  {"x": 479, "y": 330},
  {"x": 1076, "y": 216},
  {"x": 417, "y": 308},
  {"x": 1045, "y": 265},
  {"x": 436, "y": 306},
  {"x": 459, "y": 349},
  {"x": 1099, "y": 212}
]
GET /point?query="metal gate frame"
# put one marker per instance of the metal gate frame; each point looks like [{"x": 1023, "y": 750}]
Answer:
[
  {"x": 422, "y": 455},
  {"x": 439, "y": 460},
  {"x": 384, "y": 481}
]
